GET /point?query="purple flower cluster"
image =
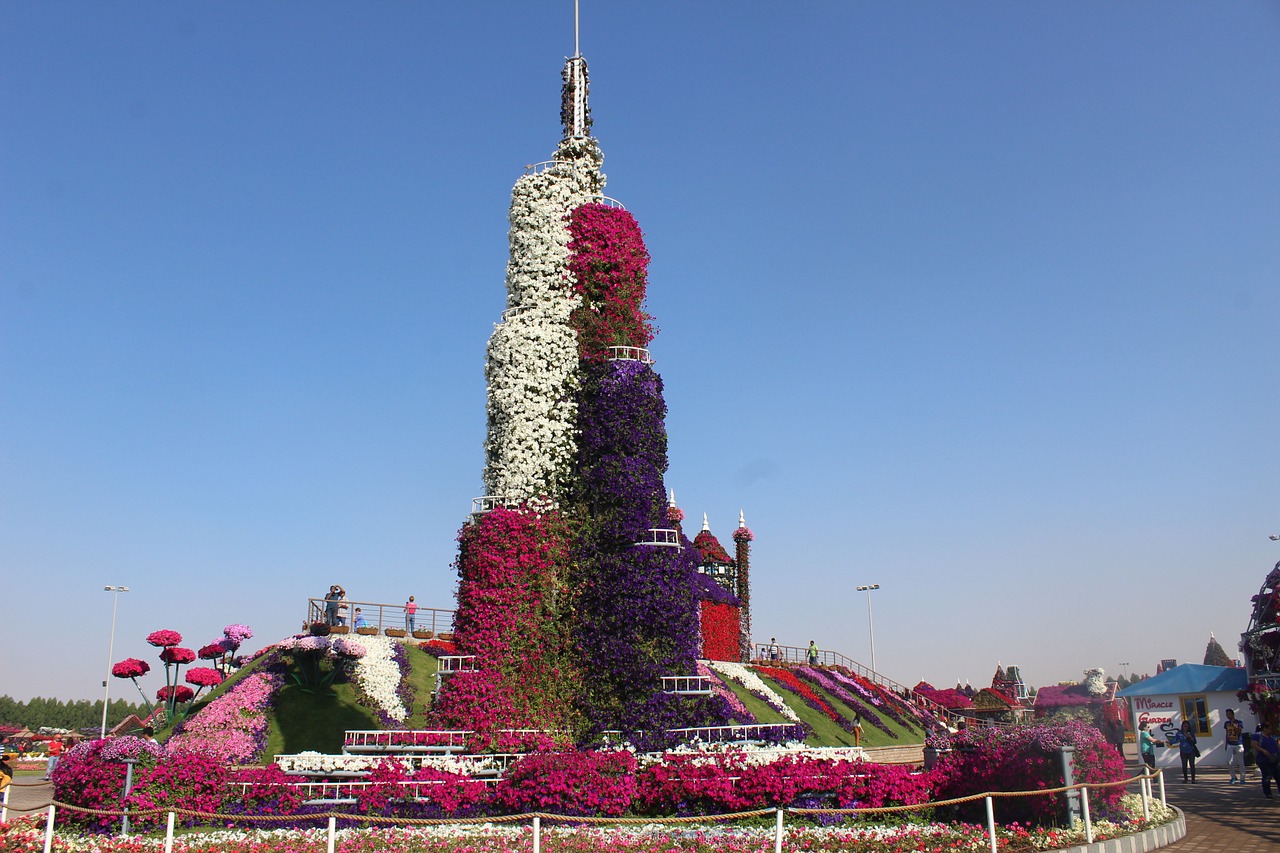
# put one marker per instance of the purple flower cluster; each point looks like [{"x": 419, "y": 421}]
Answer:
[{"x": 638, "y": 616}]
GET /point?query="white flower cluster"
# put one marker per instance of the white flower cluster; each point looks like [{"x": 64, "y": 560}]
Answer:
[
  {"x": 319, "y": 763},
  {"x": 379, "y": 677},
  {"x": 532, "y": 360},
  {"x": 752, "y": 682},
  {"x": 753, "y": 754}
]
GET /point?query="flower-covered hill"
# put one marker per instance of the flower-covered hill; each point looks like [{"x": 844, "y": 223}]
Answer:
[{"x": 302, "y": 694}]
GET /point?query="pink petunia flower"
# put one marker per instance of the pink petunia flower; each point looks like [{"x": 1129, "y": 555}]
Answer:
[
  {"x": 180, "y": 693},
  {"x": 164, "y": 638},
  {"x": 177, "y": 654},
  {"x": 203, "y": 676},
  {"x": 131, "y": 668}
]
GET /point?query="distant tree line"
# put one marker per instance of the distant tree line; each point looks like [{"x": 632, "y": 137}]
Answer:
[{"x": 54, "y": 713}]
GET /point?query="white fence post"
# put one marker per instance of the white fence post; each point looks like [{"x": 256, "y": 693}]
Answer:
[
  {"x": 333, "y": 827},
  {"x": 1088, "y": 824},
  {"x": 48, "y": 830},
  {"x": 1160, "y": 775},
  {"x": 777, "y": 833},
  {"x": 537, "y": 834},
  {"x": 991, "y": 823},
  {"x": 4, "y": 807},
  {"x": 168, "y": 835},
  {"x": 1144, "y": 790}
]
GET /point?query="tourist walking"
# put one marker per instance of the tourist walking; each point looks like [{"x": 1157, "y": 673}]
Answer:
[
  {"x": 55, "y": 752},
  {"x": 410, "y": 615},
  {"x": 1233, "y": 737},
  {"x": 813, "y": 653},
  {"x": 774, "y": 652},
  {"x": 857, "y": 729},
  {"x": 1267, "y": 753},
  {"x": 1188, "y": 750}
]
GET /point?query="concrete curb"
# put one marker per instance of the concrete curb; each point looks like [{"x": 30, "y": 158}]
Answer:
[{"x": 1151, "y": 839}]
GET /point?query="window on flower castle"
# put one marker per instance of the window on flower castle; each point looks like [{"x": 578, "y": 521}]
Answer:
[{"x": 1196, "y": 709}]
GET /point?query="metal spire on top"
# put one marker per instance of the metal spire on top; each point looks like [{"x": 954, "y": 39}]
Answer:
[
  {"x": 742, "y": 519},
  {"x": 705, "y": 525},
  {"x": 574, "y": 113}
]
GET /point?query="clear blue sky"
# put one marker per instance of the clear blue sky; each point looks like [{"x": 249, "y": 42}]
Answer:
[{"x": 976, "y": 301}]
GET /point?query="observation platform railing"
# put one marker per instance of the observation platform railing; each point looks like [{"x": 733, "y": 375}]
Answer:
[
  {"x": 800, "y": 654},
  {"x": 381, "y": 615}
]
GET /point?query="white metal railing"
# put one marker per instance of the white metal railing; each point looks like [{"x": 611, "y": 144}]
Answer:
[
  {"x": 374, "y": 740},
  {"x": 686, "y": 685},
  {"x": 630, "y": 354},
  {"x": 607, "y": 202},
  {"x": 485, "y": 503},
  {"x": 754, "y": 733},
  {"x": 548, "y": 165},
  {"x": 662, "y": 537},
  {"x": 457, "y": 663}
]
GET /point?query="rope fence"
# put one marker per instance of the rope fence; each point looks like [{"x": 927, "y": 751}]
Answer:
[{"x": 536, "y": 818}]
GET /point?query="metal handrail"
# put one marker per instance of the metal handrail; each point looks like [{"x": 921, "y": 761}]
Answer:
[
  {"x": 387, "y": 615},
  {"x": 800, "y": 654}
]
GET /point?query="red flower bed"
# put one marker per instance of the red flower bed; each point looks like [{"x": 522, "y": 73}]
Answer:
[
  {"x": 795, "y": 685},
  {"x": 720, "y": 631}
]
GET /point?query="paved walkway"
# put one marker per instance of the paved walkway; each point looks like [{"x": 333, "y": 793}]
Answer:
[{"x": 1221, "y": 818}]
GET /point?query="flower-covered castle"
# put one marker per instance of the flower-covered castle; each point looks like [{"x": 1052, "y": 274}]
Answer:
[{"x": 582, "y": 606}]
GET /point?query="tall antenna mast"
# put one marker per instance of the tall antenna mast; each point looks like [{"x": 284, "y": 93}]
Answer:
[{"x": 577, "y": 51}]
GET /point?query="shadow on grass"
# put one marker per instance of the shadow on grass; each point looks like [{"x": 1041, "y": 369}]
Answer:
[{"x": 305, "y": 721}]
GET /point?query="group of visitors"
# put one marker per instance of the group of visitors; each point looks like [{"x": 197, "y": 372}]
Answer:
[
  {"x": 336, "y": 607},
  {"x": 1266, "y": 750}
]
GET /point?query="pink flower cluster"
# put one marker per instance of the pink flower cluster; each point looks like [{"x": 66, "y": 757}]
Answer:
[
  {"x": 164, "y": 638},
  {"x": 572, "y": 783},
  {"x": 609, "y": 263},
  {"x": 513, "y": 566},
  {"x": 232, "y": 729},
  {"x": 131, "y": 668}
]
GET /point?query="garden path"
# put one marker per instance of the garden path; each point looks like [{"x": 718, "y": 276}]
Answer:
[
  {"x": 29, "y": 795},
  {"x": 1221, "y": 818}
]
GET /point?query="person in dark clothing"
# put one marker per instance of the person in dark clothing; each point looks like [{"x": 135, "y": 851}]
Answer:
[
  {"x": 1267, "y": 753},
  {"x": 1188, "y": 749}
]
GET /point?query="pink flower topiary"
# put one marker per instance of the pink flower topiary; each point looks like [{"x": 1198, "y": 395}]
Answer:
[
  {"x": 213, "y": 651},
  {"x": 177, "y": 654},
  {"x": 203, "y": 676},
  {"x": 180, "y": 693},
  {"x": 131, "y": 668},
  {"x": 164, "y": 638}
]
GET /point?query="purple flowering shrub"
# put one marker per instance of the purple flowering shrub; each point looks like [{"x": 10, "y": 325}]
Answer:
[
  {"x": 1026, "y": 758},
  {"x": 637, "y": 612}
]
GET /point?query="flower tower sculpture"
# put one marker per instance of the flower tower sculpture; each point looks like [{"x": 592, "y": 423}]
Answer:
[
  {"x": 742, "y": 537},
  {"x": 1260, "y": 645},
  {"x": 576, "y": 594}
]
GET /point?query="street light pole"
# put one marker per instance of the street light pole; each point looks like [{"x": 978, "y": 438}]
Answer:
[
  {"x": 111, "y": 650},
  {"x": 871, "y": 625}
]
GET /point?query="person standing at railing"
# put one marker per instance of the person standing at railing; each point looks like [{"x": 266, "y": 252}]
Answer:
[
  {"x": 410, "y": 614},
  {"x": 331, "y": 605},
  {"x": 343, "y": 607},
  {"x": 774, "y": 651},
  {"x": 813, "y": 653}
]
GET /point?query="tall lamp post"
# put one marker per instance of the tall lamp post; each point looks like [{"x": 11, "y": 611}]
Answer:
[
  {"x": 111, "y": 650},
  {"x": 871, "y": 625}
]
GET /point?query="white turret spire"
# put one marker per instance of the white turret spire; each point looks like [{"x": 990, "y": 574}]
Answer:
[
  {"x": 705, "y": 525},
  {"x": 742, "y": 519}
]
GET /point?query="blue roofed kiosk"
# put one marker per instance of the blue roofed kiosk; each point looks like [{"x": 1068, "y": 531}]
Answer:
[{"x": 1191, "y": 691}]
